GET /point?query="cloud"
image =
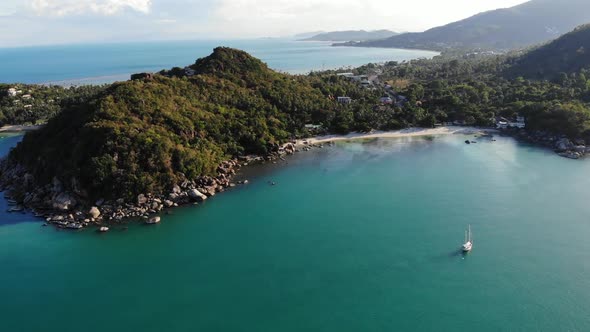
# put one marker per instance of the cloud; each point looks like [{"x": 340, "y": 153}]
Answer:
[
  {"x": 61, "y": 8},
  {"x": 284, "y": 17}
]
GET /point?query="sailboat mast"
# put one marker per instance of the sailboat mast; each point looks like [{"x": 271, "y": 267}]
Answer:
[{"x": 469, "y": 233}]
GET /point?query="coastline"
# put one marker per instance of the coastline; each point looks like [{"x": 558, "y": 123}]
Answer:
[
  {"x": 17, "y": 129},
  {"x": 408, "y": 132},
  {"x": 68, "y": 210}
]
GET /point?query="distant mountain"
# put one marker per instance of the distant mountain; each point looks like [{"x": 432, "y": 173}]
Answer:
[
  {"x": 306, "y": 35},
  {"x": 567, "y": 54},
  {"x": 356, "y": 35},
  {"x": 533, "y": 22}
]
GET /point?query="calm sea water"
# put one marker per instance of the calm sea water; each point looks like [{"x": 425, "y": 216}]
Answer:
[
  {"x": 362, "y": 236},
  {"x": 91, "y": 64}
]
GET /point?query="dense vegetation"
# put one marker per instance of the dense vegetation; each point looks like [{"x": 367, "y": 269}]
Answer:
[
  {"x": 568, "y": 54},
  {"x": 531, "y": 23},
  {"x": 149, "y": 133},
  {"x": 35, "y": 104},
  {"x": 145, "y": 135}
]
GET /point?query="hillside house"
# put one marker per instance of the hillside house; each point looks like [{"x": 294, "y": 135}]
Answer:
[
  {"x": 189, "y": 71},
  {"x": 386, "y": 100},
  {"x": 12, "y": 92},
  {"x": 344, "y": 100}
]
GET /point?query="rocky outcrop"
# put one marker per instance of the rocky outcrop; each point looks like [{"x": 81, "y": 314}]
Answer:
[
  {"x": 64, "y": 202},
  {"x": 562, "y": 145},
  {"x": 61, "y": 206}
]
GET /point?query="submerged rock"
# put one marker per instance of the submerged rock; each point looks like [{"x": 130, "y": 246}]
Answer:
[{"x": 153, "y": 220}]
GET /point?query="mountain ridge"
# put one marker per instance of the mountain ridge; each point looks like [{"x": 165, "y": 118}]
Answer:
[
  {"x": 530, "y": 23},
  {"x": 349, "y": 35}
]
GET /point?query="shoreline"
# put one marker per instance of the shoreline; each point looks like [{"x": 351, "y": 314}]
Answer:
[
  {"x": 408, "y": 132},
  {"x": 17, "y": 129}
]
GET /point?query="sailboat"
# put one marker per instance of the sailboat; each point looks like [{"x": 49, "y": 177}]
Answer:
[{"x": 468, "y": 244}]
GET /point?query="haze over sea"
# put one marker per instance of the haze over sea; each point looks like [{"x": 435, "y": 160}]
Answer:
[
  {"x": 106, "y": 63},
  {"x": 361, "y": 236}
]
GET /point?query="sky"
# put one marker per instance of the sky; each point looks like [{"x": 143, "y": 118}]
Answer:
[{"x": 46, "y": 22}]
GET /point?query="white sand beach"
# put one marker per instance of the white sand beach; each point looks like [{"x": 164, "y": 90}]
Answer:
[
  {"x": 409, "y": 132},
  {"x": 17, "y": 129}
]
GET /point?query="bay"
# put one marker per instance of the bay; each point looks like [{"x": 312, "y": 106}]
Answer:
[
  {"x": 361, "y": 236},
  {"x": 106, "y": 63}
]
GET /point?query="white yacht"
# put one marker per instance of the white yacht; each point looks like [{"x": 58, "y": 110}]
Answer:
[{"x": 468, "y": 244}]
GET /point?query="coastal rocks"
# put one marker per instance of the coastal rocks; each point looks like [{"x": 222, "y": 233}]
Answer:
[
  {"x": 64, "y": 202},
  {"x": 153, "y": 220},
  {"x": 59, "y": 204},
  {"x": 141, "y": 199},
  {"x": 563, "y": 144},
  {"x": 289, "y": 148},
  {"x": 94, "y": 212},
  {"x": 196, "y": 195},
  {"x": 571, "y": 154}
]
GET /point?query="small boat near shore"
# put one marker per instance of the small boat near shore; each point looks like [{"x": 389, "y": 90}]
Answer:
[{"x": 468, "y": 245}]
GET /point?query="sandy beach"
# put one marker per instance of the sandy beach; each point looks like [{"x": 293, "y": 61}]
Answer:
[
  {"x": 17, "y": 129},
  {"x": 409, "y": 132}
]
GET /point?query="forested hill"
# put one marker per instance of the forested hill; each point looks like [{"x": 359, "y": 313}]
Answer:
[
  {"x": 145, "y": 135},
  {"x": 565, "y": 55},
  {"x": 531, "y": 23}
]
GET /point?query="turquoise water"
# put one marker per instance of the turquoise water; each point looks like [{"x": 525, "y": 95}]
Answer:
[
  {"x": 105, "y": 63},
  {"x": 362, "y": 236}
]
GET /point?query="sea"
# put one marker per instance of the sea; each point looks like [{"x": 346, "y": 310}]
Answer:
[
  {"x": 359, "y": 236},
  {"x": 106, "y": 63}
]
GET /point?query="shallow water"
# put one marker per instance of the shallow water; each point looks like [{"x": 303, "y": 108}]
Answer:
[{"x": 362, "y": 236}]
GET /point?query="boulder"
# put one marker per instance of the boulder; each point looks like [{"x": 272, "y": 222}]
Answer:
[
  {"x": 176, "y": 189},
  {"x": 168, "y": 203},
  {"x": 153, "y": 220},
  {"x": 141, "y": 199},
  {"x": 196, "y": 195},
  {"x": 94, "y": 212},
  {"x": 563, "y": 144},
  {"x": 64, "y": 202}
]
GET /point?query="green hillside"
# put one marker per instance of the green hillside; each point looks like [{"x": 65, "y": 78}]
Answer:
[
  {"x": 565, "y": 55},
  {"x": 145, "y": 135},
  {"x": 531, "y": 23}
]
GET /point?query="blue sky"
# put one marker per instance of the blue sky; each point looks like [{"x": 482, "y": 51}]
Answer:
[{"x": 42, "y": 22}]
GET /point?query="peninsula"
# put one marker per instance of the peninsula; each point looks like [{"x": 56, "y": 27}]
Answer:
[{"x": 178, "y": 136}]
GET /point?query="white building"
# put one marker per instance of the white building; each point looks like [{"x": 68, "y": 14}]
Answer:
[
  {"x": 348, "y": 75},
  {"x": 386, "y": 100},
  {"x": 502, "y": 124},
  {"x": 344, "y": 100},
  {"x": 12, "y": 92}
]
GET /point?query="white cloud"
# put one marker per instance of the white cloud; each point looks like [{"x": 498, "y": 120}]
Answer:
[
  {"x": 78, "y": 7},
  {"x": 283, "y": 17}
]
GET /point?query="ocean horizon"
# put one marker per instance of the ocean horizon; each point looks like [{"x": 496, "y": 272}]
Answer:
[{"x": 102, "y": 63}]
